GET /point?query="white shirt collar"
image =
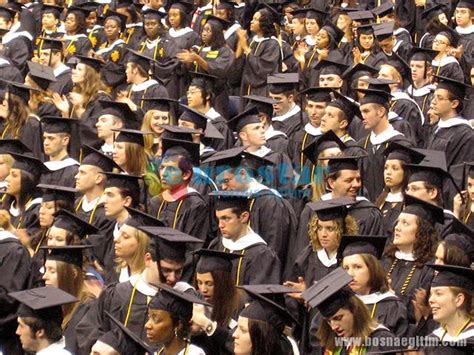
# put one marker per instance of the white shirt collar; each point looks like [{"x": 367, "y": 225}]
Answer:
[
  {"x": 231, "y": 30},
  {"x": 55, "y": 348},
  {"x": 62, "y": 68},
  {"x": 444, "y": 61},
  {"x": 244, "y": 242},
  {"x": 455, "y": 121},
  {"x": 324, "y": 259},
  {"x": 116, "y": 232},
  {"x": 394, "y": 197},
  {"x": 310, "y": 129},
  {"x": 88, "y": 206},
  {"x": 142, "y": 286},
  {"x": 290, "y": 113},
  {"x": 181, "y": 32},
  {"x": 404, "y": 256},
  {"x": 261, "y": 152},
  {"x": 143, "y": 86},
  {"x": 212, "y": 114},
  {"x": 272, "y": 132},
  {"x": 124, "y": 274},
  {"x": 376, "y": 297},
  {"x": 107, "y": 148},
  {"x": 465, "y": 31},
  {"x": 425, "y": 90},
  {"x": 60, "y": 164},
  {"x": 390, "y": 132}
]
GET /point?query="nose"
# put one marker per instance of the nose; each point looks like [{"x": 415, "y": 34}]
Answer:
[
  {"x": 171, "y": 278},
  {"x": 147, "y": 324}
]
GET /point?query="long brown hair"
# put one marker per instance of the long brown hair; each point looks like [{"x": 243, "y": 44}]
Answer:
[
  {"x": 378, "y": 281},
  {"x": 91, "y": 86},
  {"x": 136, "y": 159},
  {"x": 18, "y": 114},
  {"x": 351, "y": 228},
  {"x": 468, "y": 303},
  {"x": 226, "y": 297}
]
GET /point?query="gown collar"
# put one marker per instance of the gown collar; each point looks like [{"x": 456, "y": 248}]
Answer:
[
  {"x": 404, "y": 256},
  {"x": 425, "y": 90},
  {"x": 88, "y": 206},
  {"x": 244, "y": 242},
  {"x": 444, "y": 61},
  {"x": 143, "y": 86},
  {"x": 375, "y": 297},
  {"x": 178, "y": 33},
  {"x": 231, "y": 30},
  {"x": 324, "y": 259},
  {"x": 272, "y": 132},
  {"x": 455, "y": 121},
  {"x": 262, "y": 151},
  {"x": 212, "y": 114},
  {"x": 466, "y": 334},
  {"x": 394, "y": 197},
  {"x": 389, "y": 133},
  {"x": 287, "y": 115},
  {"x": 310, "y": 129},
  {"x": 60, "y": 164},
  {"x": 142, "y": 286},
  {"x": 62, "y": 68},
  {"x": 465, "y": 31}
]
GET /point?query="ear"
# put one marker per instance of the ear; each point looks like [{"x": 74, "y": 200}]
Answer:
[
  {"x": 331, "y": 182},
  {"x": 243, "y": 135},
  {"x": 454, "y": 104},
  {"x": 433, "y": 193},
  {"x": 291, "y": 98},
  {"x": 66, "y": 140},
  {"x": 187, "y": 175},
  {"x": 459, "y": 299},
  {"x": 128, "y": 201},
  {"x": 147, "y": 258},
  {"x": 245, "y": 216},
  {"x": 343, "y": 124},
  {"x": 40, "y": 334}
]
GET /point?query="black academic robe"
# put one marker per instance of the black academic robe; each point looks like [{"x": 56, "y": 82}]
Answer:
[
  {"x": 151, "y": 48},
  {"x": 401, "y": 125},
  {"x": 264, "y": 59},
  {"x": 113, "y": 54},
  {"x": 219, "y": 122},
  {"x": 9, "y": 72},
  {"x": 28, "y": 219},
  {"x": 423, "y": 97},
  {"x": 96, "y": 36},
  {"x": 96, "y": 216},
  {"x": 457, "y": 142},
  {"x": 448, "y": 67},
  {"x": 133, "y": 34},
  {"x": 259, "y": 264},
  {"x": 449, "y": 347},
  {"x": 69, "y": 332},
  {"x": 390, "y": 213},
  {"x": 76, "y": 45},
  {"x": 309, "y": 266},
  {"x": 61, "y": 172},
  {"x": 87, "y": 129},
  {"x": 408, "y": 109},
  {"x": 235, "y": 73},
  {"x": 276, "y": 141},
  {"x": 148, "y": 89},
  {"x": 63, "y": 84},
  {"x": 28, "y": 135},
  {"x": 14, "y": 272},
  {"x": 18, "y": 49},
  {"x": 297, "y": 143},
  {"x": 199, "y": 17},
  {"x": 290, "y": 122}
]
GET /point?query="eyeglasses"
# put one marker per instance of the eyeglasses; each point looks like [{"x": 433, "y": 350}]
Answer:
[{"x": 438, "y": 41}]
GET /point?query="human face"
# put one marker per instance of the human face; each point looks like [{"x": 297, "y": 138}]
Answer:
[
  {"x": 86, "y": 177},
  {"x": 298, "y": 26},
  {"x": 330, "y": 81},
  {"x": 91, "y": 20},
  {"x": 78, "y": 74},
  {"x": 418, "y": 189},
  {"x": 371, "y": 115},
  {"x": 4, "y": 168},
  {"x": 171, "y": 175},
  {"x": 254, "y": 134},
  {"x": 241, "y": 335},
  {"x": 130, "y": 72},
  {"x": 28, "y": 341},
  {"x": 159, "y": 118},
  {"x": 194, "y": 96},
  {"x": 328, "y": 153},
  {"x": 341, "y": 323},
  {"x": 347, "y": 184},
  {"x": 283, "y": 105},
  {"x": 70, "y": 23},
  {"x": 315, "y": 111},
  {"x": 57, "y": 237},
  {"x": 223, "y": 14},
  {"x": 441, "y": 105},
  {"x": 44, "y": 58},
  {"x": 54, "y": 144},
  {"x": 205, "y": 283},
  {"x": 174, "y": 18},
  {"x": 463, "y": 16},
  {"x": 366, "y": 41},
  {"x": 330, "y": 120},
  {"x": 357, "y": 268},
  {"x": 206, "y": 34},
  {"x": 441, "y": 43},
  {"x": 442, "y": 302},
  {"x": 328, "y": 236},
  {"x": 111, "y": 29},
  {"x": 159, "y": 327},
  {"x": 50, "y": 276},
  {"x": 4, "y": 24},
  {"x": 405, "y": 230},
  {"x": 114, "y": 203},
  {"x": 126, "y": 245},
  {"x": 439, "y": 255},
  {"x": 14, "y": 182},
  {"x": 118, "y": 154},
  {"x": 171, "y": 270},
  {"x": 393, "y": 173},
  {"x": 470, "y": 188},
  {"x": 4, "y": 110},
  {"x": 417, "y": 70},
  {"x": 312, "y": 26},
  {"x": 343, "y": 22},
  {"x": 387, "y": 44},
  {"x": 105, "y": 124},
  {"x": 230, "y": 224},
  {"x": 255, "y": 23},
  {"x": 49, "y": 22},
  {"x": 322, "y": 39},
  {"x": 46, "y": 213},
  {"x": 152, "y": 27},
  {"x": 228, "y": 181}
]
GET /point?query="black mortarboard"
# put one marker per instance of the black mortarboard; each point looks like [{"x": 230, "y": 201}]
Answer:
[
  {"x": 453, "y": 276},
  {"x": 178, "y": 304},
  {"x": 455, "y": 87},
  {"x": 366, "y": 29},
  {"x": 325, "y": 141},
  {"x": 160, "y": 103},
  {"x": 130, "y": 136},
  {"x": 96, "y": 158},
  {"x": 122, "y": 111},
  {"x": 211, "y": 260},
  {"x": 226, "y": 4},
  {"x": 191, "y": 115},
  {"x": 318, "y": 94},
  {"x": 401, "y": 66},
  {"x": 81, "y": 10},
  {"x": 237, "y": 156},
  {"x": 384, "y": 30},
  {"x": 262, "y": 103},
  {"x": 249, "y": 116},
  {"x": 331, "y": 65},
  {"x": 54, "y": 124},
  {"x": 333, "y": 31},
  {"x": 354, "y": 73},
  {"x": 29, "y": 164},
  {"x": 421, "y": 53},
  {"x": 425, "y": 210},
  {"x": 69, "y": 254},
  {"x": 231, "y": 199},
  {"x": 7, "y": 13},
  {"x": 329, "y": 210},
  {"x": 150, "y": 13},
  {"x": 177, "y": 132},
  {"x": 120, "y": 18},
  {"x": 383, "y": 10},
  {"x": 343, "y": 162},
  {"x": 432, "y": 12},
  {"x": 380, "y": 84},
  {"x": 452, "y": 35},
  {"x": 223, "y": 22},
  {"x": 427, "y": 172},
  {"x": 13, "y": 146},
  {"x": 69, "y": 221},
  {"x": 314, "y": 13},
  {"x": 42, "y": 75},
  {"x": 19, "y": 89},
  {"x": 373, "y": 96},
  {"x": 138, "y": 218},
  {"x": 170, "y": 243},
  {"x": 282, "y": 82},
  {"x": 52, "y": 9},
  {"x": 347, "y": 105},
  {"x": 142, "y": 60},
  {"x": 361, "y": 244},
  {"x": 58, "y": 193},
  {"x": 330, "y": 293},
  {"x": 361, "y": 16},
  {"x": 267, "y": 289},
  {"x": 461, "y": 236},
  {"x": 51, "y": 43},
  {"x": 468, "y": 4},
  {"x": 122, "y": 181},
  {"x": 43, "y": 303},
  {"x": 181, "y": 147},
  {"x": 94, "y": 63},
  {"x": 187, "y": 6},
  {"x": 397, "y": 151},
  {"x": 272, "y": 8}
]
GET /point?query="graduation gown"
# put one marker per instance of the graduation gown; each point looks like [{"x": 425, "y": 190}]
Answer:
[
  {"x": 88, "y": 119},
  {"x": 28, "y": 135},
  {"x": 455, "y": 137},
  {"x": 423, "y": 97},
  {"x": 69, "y": 332},
  {"x": 63, "y": 84},
  {"x": 9, "y": 72},
  {"x": 264, "y": 59},
  {"x": 313, "y": 265},
  {"x": 93, "y": 212},
  {"x": 220, "y": 124},
  {"x": 29, "y": 218},
  {"x": 297, "y": 143},
  {"x": 96, "y": 36},
  {"x": 76, "y": 44},
  {"x": 276, "y": 140},
  {"x": 148, "y": 89},
  {"x": 18, "y": 48},
  {"x": 290, "y": 122},
  {"x": 113, "y": 72},
  {"x": 234, "y": 75},
  {"x": 448, "y": 67},
  {"x": 259, "y": 264},
  {"x": 408, "y": 109},
  {"x": 151, "y": 48},
  {"x": 439, "y": 334},
  {"x": 62, "y": 172},
  {"x": 391, "y": 209}
]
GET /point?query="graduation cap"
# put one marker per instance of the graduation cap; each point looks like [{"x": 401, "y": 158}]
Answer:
[
  {"x": 461, "y": 236},
  {"x": 313, "y": 13},
  {"x": 94, "y": 63},
  {"x": 357, "y": 71},
  {"x": 19, "y": 89},
  {"x": 130, "y": 136},
  {"x": 122, "y": 111},
  {"x": 430, "y": 172},
  {"x": 282, "y": 82},
  {"x": 329, "y": 210},
  {"x": 380, "y": 84},
  {"x": 423, "y": 54},
  {"x": 170, "y": 244},
  {"x": 348, "y": 106},
  {"x": 361, "y": 16},
  {"x": 79, "y": 10},
  {"x": 465, "y": 4},
  {"x": 120, "y": 18},
  {"x": 51, "y": 43},
  {"x": 138, "y": 218},
  {"x": 249, "y": 116},
  {"x": 237, "y": 156},
  {"x": 72, "y": 223},
  {"x": 330, "y": 293},
  {"x": 69, "y": 254},
  {"x": 321, "y": 143},
  {"x": 331, "y": 65},
  {"x": 361, "y": 244},
  {"x": 126, "y": 181},
  {"x": 154, "y": 14},
  {"x": 96, "y": 158},
  {"x": 452, "y": 35},
  {"x": 58, "y": 193},
  {"x": 267, "y": 289},
  {"x": 226, "y": 5},
  {"x": 160, "y": 103},
  {"x": 372, "y": 96},
  {"x": 177, "y": 132},
  {"x": 262, "y": 103},
  {"x": 453, "y": 276},
  {"x": 56, "y": 124},
  {"x": 366, "y": 29},
  {"x": 455, "y": 87},
  {"x": 343, "y": 162},
  {"x": 142, "y": 60},
  {"x": 432, "y": 12},
  {"x": 42, "y": 75},
  {"x": 397, "y": 151},
  {"x": 385, "y": 9},
  {"x": 52, "y": 9},
  {"x": 43, "y": 303},
  {"x": 211, "y": 260},
  {"x": 384, "y": 30},
  {"x": 187, "y": 6},
  {"x": 7, "y": 13},
  {"x": 223, "y": 22},
  {"x": 8, "y": 146},
  {"x": 230, "y": 199},
  {"x": 318, "y": 94},
  {"x": 333, "y": 31},
  {"x": 181, "y": 147},
  {"x": 425, "y": 210},
  {"x": 194, "y": 116},
  {"x": 272, "y": 8},
  {"x": 29, "y": 164}
]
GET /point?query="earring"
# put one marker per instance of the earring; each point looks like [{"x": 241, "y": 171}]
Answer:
[{"x": 175, "y": 332}]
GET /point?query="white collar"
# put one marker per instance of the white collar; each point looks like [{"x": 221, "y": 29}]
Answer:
[
  {"x": 88, "y": 206},
  {"x": 444, "y": 61},
  {"x": 466, "y": 334},
  {"x": 62, "y": 68},
  {"x": 404, "y": 256},
  {"x": 310, "y": 41},
  {"x": 290, "y": 113},
  {"x": 390, "y": 132},
  {"x": 425, "y": 90},
  {"x": 449, "y": 212},
  {"x": 116, "y": 232},
  {"x": 12, "y": 35},
  {"x": 326, "y": 197},
  {"x": 465, "y": 31},
  {"x": 74, "y": 37},
  {"x": 455, "y": 121},
  {"x": 261, "y": 152},
  {"x": 231, "y": 30},
  {"x": 152, "y": 44},
  {"x": 257, "y": 187},
  {"x": 6, "y": 234},
  {"x": 205, "y": 49},
  {"x": 205, "y": 7},
  {"x": 399, "y": 31},
  {"x": 397, "y": 45},
  {"x": 182, "y": 31},
  {"x": 4, "y": 62},
  {"x": 212, "y": 114},
  {"x": 375, "y": 297},
  {"x": 138, "y": 282},
  {"x": 143, "y": 86},
  {"x": 272, "y": 132},
  {"x": 54, "y": 348},
  {"x": 182, "y": 286},
  {"x": 310, "y": 129},
  {"x": 109, "y": 48},
  {"x": 259, "y": 39},
  {"x": 400, "y": 95},
  {"x": 133, "y": 25},
  {"x": 107, "y": 148},
  {"x": 60, "y": 164},
  {"x": 124, "y": 274},
  {"x": 324, "y": 259},
  {"x": 394, "y": 197},
  {"x": 244, "y": 242}
]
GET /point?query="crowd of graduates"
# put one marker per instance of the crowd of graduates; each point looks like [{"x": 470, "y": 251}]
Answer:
[{"x": 252, "y": 177}]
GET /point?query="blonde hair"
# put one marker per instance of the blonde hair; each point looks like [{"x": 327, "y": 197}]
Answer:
[
  {"x": 5, "y": 221},
  {"x": 351, "y": 228},
  {"x": 394, "y": 73},
  {"x": 8, "y": 160},
  {"x": 138, "y": 262},
  {"x": 146, "y": 127}
]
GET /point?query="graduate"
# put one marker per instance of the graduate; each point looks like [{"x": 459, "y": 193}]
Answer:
[
  {"x": 463, "y": 209},
  {"x": 129, "y": 151},
  {"x": 153, "y": 44},
  {"x": 464, "y": 26},
  {"x": 260, "y": 263},
  {"x": 76, "y": 41},
  {"x": 338, "y": 116},
  {"x": 366, "y": 50},
  {"x": 329, "y": 72},
  {"x": 51, "y": 54},
  {"x": 444, "y": 64},
  {"x": 388, "y": 42}
]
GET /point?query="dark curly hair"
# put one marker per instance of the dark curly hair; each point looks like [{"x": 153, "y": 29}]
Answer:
[{"x": 267, "y": 24}]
